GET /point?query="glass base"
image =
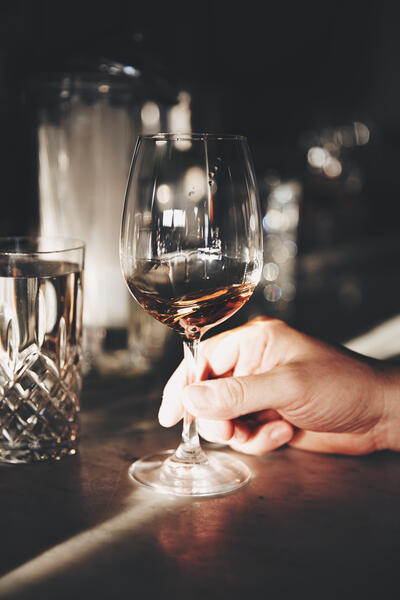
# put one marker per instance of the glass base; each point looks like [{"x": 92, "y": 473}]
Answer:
[{"x": 219, "y": 474}]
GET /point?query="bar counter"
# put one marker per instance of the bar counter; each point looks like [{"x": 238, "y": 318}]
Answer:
[{"x": 306, "y": 526}]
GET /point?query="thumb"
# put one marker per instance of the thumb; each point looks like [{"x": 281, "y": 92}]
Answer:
[{"x": 232, "y": 397}]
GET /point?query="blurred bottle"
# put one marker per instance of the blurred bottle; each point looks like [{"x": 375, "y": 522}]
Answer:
[{"x": 88, "y": 123}]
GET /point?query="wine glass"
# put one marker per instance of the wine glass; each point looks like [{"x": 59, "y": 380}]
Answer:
[{"x": 191, "y": 253}]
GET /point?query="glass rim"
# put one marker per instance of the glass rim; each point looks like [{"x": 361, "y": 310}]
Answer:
[
  {"x": 67, "y": 245},
  {"x": 177, "y": 137}
]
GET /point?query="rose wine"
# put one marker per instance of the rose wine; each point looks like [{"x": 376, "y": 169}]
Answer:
[{"x": 192, "y": 291}]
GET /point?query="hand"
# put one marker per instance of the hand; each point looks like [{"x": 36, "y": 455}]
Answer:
[{"x": 268, "y": 384}]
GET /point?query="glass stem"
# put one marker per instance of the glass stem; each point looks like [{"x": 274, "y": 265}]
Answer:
[{"x": 190, "y": 450}]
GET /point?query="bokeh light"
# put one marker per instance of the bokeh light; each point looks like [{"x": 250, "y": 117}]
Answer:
[
  {"x": 272, "y": 292},
  {"x": 271, "y": 271}
]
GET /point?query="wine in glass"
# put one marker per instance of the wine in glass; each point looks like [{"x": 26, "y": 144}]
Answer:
[{"x": 191, "y": 253}]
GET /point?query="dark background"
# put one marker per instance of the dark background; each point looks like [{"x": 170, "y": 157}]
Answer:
[{"x": 280, "y": 73}]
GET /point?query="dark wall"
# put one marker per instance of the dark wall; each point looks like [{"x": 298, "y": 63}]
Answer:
[{"x": 273, "y": 71}]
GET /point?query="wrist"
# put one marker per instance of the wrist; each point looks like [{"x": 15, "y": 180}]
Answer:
[{"x": 388, "y": 429}]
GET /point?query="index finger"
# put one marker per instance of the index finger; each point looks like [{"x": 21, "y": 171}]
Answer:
[
  {"x": 240, "y": 351},
  {"x": 254, "y": 348}
]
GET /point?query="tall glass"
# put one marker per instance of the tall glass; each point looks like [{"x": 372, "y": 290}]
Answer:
[
  {"x": 40, "y": 347},
  {"x": 191, "y": 253}
]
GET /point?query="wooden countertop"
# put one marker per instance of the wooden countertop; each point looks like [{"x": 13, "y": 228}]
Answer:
[{"x": 307, "y": 525}]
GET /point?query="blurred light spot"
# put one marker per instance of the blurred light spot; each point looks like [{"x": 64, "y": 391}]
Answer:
[
  {"x": 129, "y": 70},
  {"x": 283, "y": 193},
  {"x": 150, "y": 114},
  {"x": 291, "y": 247},
  {"x": 64, "y": 94},
  {"x": 183, "y": 145},
  {"x": 167, "y": 217},
  {"x": 63, "y": 160},
  {"x": 337, "y": 137},
  {"x": 274, "y": 220},
  {"x": 272, "y": 292},
  {"x": 104, "y": 88},
  {"x": 179, "y": 218},
  {"x": 195, "y": 183},
  {"x": 179, "y": 120},
  {"x": 114, "y": 69},
  {"x": 317, "y": 157},
  {"x": 280, "y": 253},
  {"x": 271, "y": 271},
  {"x": 161, "y": 142},
  {"x": 292, "y": 217},
  {"x": 163, "y": 193},
  {"x": 348, "y": 137},
  {"x": 331, "y": 147},
  {"x": 252, "y": 223},
  {"x": 174, "y": 217},
  {"x": 146, "y": 217},
  {"x": 361, "y": 133},
  {"x": 333, "y": 168}
]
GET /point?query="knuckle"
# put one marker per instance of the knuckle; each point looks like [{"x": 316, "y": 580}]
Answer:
[
  {"x": 273, "y": 330},
  {"x": 259, "y": 320},
  {"x": 277, "y": 326}
]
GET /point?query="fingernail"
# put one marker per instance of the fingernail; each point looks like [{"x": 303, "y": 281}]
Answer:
[
  {"x": 197, "y": 397},
  {"x": 281, "y": 433}
]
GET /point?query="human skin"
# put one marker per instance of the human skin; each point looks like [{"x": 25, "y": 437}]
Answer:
[{"x": 265, "y": 385}]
